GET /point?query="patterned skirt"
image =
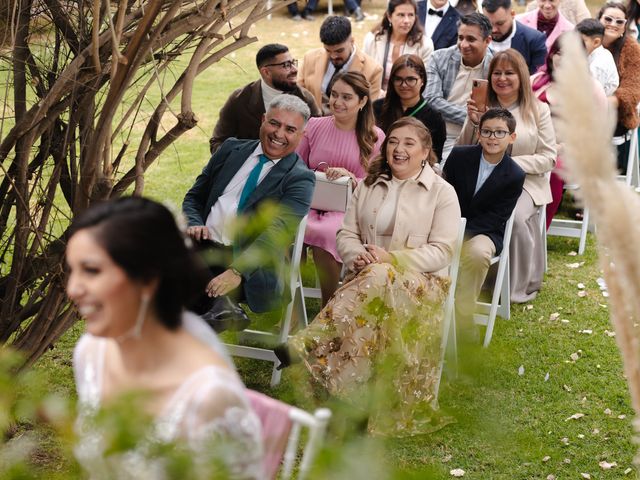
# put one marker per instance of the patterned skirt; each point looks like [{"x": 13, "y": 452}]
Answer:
[{"x": 377, "y": 345}]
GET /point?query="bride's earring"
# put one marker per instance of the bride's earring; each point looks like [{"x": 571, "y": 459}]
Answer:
[{"x": 136, "y": 331}]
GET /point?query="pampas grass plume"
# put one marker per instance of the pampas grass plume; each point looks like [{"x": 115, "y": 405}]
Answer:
[{"x": 590, "y": 162}]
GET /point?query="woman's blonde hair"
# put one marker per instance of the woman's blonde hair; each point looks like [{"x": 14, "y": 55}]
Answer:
[
  {"x": 380, "y": 166},
  {"x": 526, "y": 99}
]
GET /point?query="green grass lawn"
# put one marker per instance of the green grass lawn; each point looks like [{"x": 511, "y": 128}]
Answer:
[{"x": 508, "y": 426}]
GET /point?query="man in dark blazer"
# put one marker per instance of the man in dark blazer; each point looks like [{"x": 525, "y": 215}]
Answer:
[
  {"x": 507, "y": 33},
  {"x": 488, "y": 183},
  {"x": 242, "y": 176},
  {"x": 440, "y": 22},
  {"x": 242, "y": 113}
]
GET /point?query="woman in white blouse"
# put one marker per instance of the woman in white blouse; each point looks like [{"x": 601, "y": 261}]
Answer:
[{"x": 399, "y": 33}]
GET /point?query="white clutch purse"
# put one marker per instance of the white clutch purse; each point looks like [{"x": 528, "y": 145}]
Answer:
[{"x": 331, "y": 196}]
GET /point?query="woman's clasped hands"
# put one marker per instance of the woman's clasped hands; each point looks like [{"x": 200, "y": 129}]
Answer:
[{"x": 373, "y": 254}]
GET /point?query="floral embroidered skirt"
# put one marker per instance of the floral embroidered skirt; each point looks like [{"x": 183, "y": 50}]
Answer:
[{"x": 377, "y": 345}]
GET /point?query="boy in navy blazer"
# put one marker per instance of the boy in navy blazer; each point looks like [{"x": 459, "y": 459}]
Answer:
[{"x": 488, "y": 184}]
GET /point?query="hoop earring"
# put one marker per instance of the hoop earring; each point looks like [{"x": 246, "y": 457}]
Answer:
[{"x": 136, "y": 331}]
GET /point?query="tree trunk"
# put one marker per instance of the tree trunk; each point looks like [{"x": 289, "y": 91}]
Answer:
[{"x": 73, "y": 63}]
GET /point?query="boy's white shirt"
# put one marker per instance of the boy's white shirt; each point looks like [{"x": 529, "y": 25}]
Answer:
[{"x": 604, "y": 70}]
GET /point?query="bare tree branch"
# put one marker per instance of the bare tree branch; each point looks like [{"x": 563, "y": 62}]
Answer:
[{"x": 91, "y": 78}]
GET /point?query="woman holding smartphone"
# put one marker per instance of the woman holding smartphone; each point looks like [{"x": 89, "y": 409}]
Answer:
[{"x": 534, "y": 150}]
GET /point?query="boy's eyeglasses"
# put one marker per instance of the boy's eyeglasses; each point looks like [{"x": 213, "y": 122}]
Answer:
[
  {"x": 288, "y": 65},
  {"x": 499, "y": 134},
  {"x": 617, "y": 21},
  {"x": 409, "y": 81}
]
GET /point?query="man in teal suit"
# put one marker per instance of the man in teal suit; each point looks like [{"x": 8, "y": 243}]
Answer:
[{"x": 240, "y": 177}]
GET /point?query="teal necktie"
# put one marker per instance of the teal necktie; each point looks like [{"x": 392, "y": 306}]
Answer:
[{"x": 252, "y": 182}]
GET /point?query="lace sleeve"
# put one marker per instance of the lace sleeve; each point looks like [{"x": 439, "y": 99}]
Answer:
[
  {"x": 88, "y": 359},
  {"x": 219, "y": 425}
]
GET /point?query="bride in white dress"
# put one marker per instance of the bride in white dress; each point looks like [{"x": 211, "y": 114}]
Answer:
[{"x": 130, "y": 277}]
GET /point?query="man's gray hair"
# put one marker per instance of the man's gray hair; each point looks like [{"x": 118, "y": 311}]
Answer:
[{"x": 291, "y": 103}]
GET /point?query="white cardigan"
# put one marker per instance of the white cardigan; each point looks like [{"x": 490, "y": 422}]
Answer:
[{"x": 375, "y": 49}]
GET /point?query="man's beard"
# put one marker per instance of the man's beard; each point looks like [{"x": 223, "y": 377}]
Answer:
[
  {"x": 503, "y": 37},
  {"x": 284, "y": 86}
]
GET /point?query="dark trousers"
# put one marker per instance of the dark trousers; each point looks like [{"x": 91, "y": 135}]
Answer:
[
  {"x": 217, "y": 257},
  {"x": 623, "y": 156},
  {"x": 351, "y": 5},
  {"x": 309, "y": 7}
]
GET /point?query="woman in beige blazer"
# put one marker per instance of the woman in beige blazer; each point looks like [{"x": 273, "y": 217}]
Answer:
[
  {"x": 396, "y": 240},
  {"x": 535, "y": 152}
]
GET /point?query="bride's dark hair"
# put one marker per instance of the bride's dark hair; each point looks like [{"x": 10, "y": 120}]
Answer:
[{"x": 141, "y": 236}]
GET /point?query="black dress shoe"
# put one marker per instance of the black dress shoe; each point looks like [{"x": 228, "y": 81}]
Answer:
[
  {"x": 283, "y": 354},
  {"x": 226, "y": 314}
]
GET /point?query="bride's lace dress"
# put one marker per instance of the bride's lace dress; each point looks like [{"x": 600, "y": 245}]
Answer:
[{"x": 209, "y": 408}]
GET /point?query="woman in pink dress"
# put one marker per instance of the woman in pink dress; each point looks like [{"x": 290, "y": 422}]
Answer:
[{"x": 344, "y": 143}]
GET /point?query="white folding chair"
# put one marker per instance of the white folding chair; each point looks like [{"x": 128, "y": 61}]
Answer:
[
  {"x": 449, "y": 341},
  {"x": 501, "y": 297},
  {"x": 632, "y": 175},
  {"x": 296, "y": 301},
  {"x": 317, "y": 425},
  {"x": 281, "y": 426},
  {"x": 562, "y": 227},
  {"x": 542, "y": 225}
]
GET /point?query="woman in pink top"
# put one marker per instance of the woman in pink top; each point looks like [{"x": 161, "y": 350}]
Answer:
[
  {"x": 547, "y": 19},
  {"x": 343, "y": 142}
]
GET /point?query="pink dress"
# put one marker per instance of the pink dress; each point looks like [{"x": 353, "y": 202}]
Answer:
[{"x": 323, "y": 142}]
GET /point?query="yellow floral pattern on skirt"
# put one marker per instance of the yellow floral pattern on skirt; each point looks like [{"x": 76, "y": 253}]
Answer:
[{"x": 377, "y": 345}]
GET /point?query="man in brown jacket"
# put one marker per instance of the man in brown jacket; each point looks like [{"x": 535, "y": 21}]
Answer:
[
  {"x": 338, "y": 53},
  {"x": 242, "y": 114}
]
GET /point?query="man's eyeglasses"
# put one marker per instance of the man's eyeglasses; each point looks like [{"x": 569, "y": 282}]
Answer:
[
  {"x": 617, "y": 21},
  {"x": 499, "y": 134},
  {"x": 288, "y": 65},
  {"x": 408, "y": 81}
]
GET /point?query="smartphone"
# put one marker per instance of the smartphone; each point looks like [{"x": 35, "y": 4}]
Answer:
[{"x": 479, "y": 90}]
